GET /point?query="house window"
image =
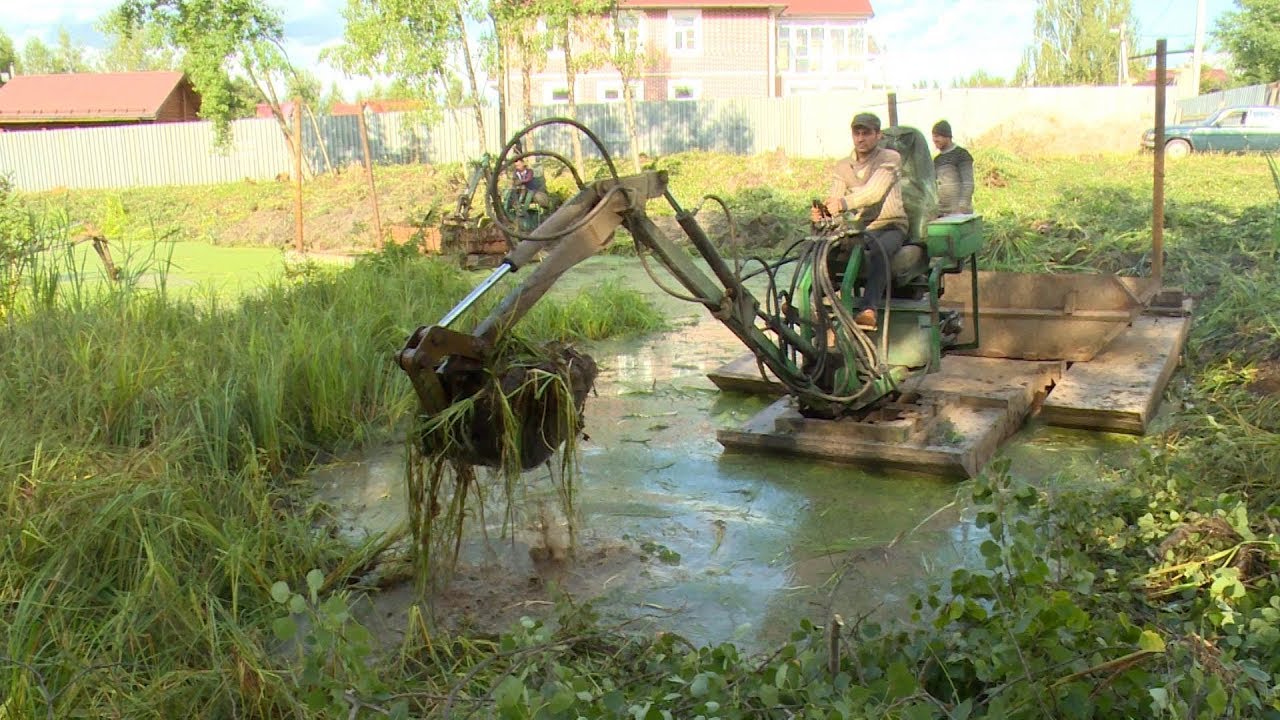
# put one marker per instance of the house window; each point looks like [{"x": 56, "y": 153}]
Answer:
[
  {"x": 686, "y": 31},
  {"x": 610, "y": 91},
  {"x": 821, "y": 47},
  {"x": 630, "y": 28},
  {"x": 847, "y": 48},
  {"x": 555, "y": 94},
  {"x": 684, "y": 89}
]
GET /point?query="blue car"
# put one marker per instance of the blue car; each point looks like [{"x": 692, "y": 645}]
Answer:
[{"x": 1234, "y": 130}]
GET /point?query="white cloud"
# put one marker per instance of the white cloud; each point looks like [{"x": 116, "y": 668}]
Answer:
[
  {"x": 940, "y": 41},
  {"x": 43, "y": 18}
]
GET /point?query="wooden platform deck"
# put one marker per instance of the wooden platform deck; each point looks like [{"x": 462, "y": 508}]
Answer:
[
  {"x": 975, "y": 403},
  {"x": 972, "y": 405},
  {"x": 1120, "y": 389}
]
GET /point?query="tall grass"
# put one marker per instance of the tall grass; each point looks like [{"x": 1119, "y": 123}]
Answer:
[{"x": 148, "y": 460}]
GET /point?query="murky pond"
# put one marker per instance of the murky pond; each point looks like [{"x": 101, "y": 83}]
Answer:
[{"x": 710, "y": 544}]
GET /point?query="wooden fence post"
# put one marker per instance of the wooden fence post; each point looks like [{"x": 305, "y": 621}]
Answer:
[
  {"x": 1157, "y": 190},
  {"x": 368, "y": 171},
  {"x": 298, "y": 243}
]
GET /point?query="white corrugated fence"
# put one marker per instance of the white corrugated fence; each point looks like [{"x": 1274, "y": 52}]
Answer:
[{"x": 1067, "y": 119}]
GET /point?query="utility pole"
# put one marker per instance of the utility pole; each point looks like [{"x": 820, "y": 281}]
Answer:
[
  {"x": 1197, "y": 56},
  {"x": 1122, "y": 65},
  {"x": 1124, "y": 56}
]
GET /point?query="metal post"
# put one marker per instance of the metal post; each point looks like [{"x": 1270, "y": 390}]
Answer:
[
  {"x": 368, "y": 171},
  {"x": 1157, "y": 190},
  {"x": 504, "y": 85},
  {"x": 893, "y": 109},
  {"x": 297, "y": 174},
  {"x": 1197, "y": 56}
]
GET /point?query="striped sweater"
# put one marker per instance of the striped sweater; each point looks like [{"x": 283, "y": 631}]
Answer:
[
  {"x": 864, "y": 183},
  {"x": 954, "y": 168}
]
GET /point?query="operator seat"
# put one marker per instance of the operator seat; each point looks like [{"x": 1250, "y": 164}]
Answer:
[{"x": 919, "y": 199}]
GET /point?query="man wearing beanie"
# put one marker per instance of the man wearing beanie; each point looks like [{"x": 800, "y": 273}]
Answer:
[
  {"x": 954, "y": 167},
  {"x": 867, "y": 181}
]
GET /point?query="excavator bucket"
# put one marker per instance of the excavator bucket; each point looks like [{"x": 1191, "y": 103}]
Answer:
[{"x": 509, "y": 410}]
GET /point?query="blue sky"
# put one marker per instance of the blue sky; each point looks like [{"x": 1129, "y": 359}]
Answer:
[{"x": 933, "y": 40}]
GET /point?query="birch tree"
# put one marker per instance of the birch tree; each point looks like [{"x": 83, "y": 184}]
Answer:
[
  {"x": 1074, "y": 42},
  {"x": 223, "y": 43},
  {"x": 570, "y": 21},
  {"x": 416, "y": 43}
]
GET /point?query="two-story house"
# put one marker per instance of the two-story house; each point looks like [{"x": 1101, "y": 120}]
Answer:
[{"x": 708, "y": 49}]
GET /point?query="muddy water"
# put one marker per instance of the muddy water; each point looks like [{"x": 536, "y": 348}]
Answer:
[{"x": 690, "y": 538}]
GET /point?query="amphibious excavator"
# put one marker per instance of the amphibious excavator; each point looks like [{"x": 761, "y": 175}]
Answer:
[
  {"x": 474, "y": 238},
  {"x": 802, "y": 330},
  {"x": 837, "y": 378}
]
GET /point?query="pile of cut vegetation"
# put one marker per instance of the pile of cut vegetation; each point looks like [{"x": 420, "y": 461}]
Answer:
[{"x": 512, "y": 414}]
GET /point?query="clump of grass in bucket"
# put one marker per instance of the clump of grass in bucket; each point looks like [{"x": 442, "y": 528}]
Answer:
[{"x": 522, "y": 410}]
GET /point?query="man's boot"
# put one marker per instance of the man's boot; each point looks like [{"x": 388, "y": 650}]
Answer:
[{"x": 866, "y": 319}]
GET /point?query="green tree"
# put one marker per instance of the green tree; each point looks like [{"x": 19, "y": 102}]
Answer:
[
  {"x": 412, "y": 42},
  {"x": 495, "y": 52},
  {"x": 981, "y": 79},
  {"x": 331, "y": 98},
  {"x": 303, "y": 84},
  {"x": 1251, "y": 33},
  {"x": 8, "y": 56},
  {"x": 40, "y": 59},
  {"x": 70, "y": 54},
  {"x": 523, "y": 48},
  {"x": 626, "y": 54},
  {"x": 476, "y": 99},
  {"x": 1076, "y": 42},
  {"x": 244, "y": 99},
  {"x": 574, "y": 25},
  {"x": 130, "y": 50},
  {"x": 221, "y": 40}
]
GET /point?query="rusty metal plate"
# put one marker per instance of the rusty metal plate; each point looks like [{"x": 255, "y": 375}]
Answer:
[{"x": 1039, "y": 316}]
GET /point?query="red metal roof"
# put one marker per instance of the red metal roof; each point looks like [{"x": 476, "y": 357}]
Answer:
[
  {"x": 702, "y": 3},
  {"x": 825, "y": 8},
  {"x": 86, "y": 96},
  {"x": 829, "y": 7}
]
